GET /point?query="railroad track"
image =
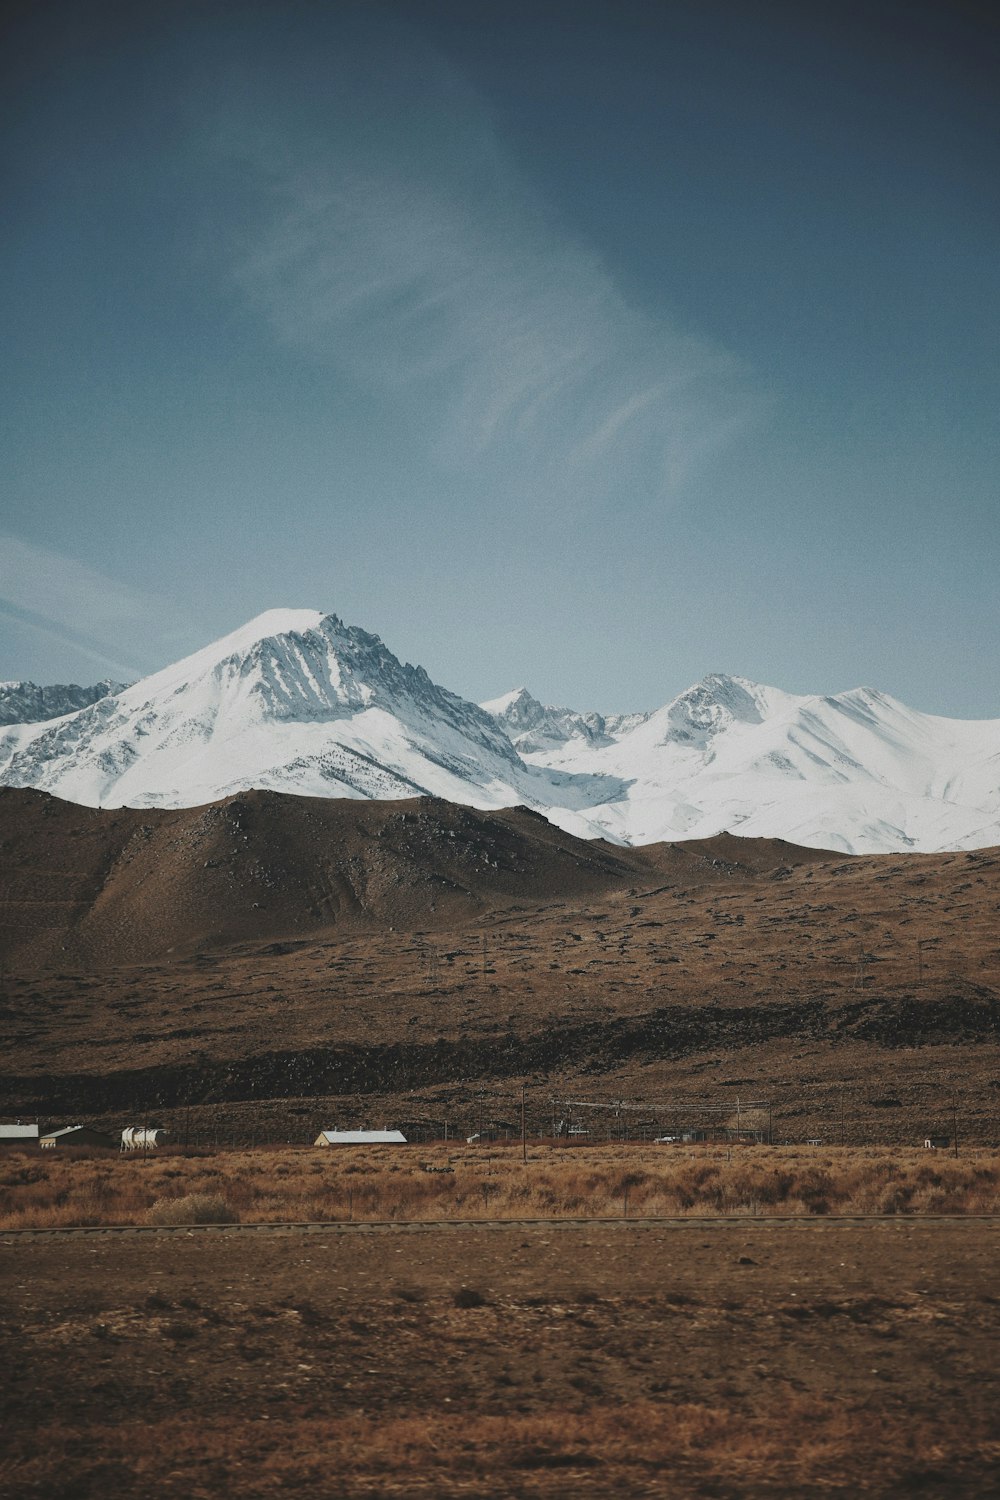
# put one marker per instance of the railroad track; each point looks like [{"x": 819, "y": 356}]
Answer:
[{"x": 424, "y": 1226}]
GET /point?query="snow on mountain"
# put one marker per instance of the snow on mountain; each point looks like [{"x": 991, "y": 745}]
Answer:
[
  {"x": 537, "y": 727},
  {"x": 297, "y": 701},
  {"x": 858, "y": 771},
  {"x": 293, "y": 701},
  {"x": 27, "y": 703}
]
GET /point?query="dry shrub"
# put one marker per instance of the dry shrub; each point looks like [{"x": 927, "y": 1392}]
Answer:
[
  {"x": 410, "y": 1293},
  {"x": 590, "y": 1182},
  {"x": 180, "y": 1331},
  {"x": 194, "y": 1208},
  {"x": 467, "y": 1296}
]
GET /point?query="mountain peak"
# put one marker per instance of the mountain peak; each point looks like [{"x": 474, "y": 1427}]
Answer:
[
  {"x": 506, "y": 701},
  {"x": 279, "y": 622},
  {"x": 707, "y": 707},
  {"x": 517, "y": 709},
  {"x": 295, "y": 700},
  {"x": 536, "y": 727},
  {"x": 300, "y": 665}
]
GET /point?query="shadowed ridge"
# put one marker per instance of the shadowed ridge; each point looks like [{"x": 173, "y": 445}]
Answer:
[{"x": 129, "y": 884}]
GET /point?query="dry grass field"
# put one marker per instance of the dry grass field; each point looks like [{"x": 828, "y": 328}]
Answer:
[
  {"x": 412, "y": 1183},
  {"x": 727, "y": 1359}
]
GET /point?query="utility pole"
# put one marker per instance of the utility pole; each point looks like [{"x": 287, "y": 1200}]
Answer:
[
  {"x": 954, "y": 1122},
  {"x": 524, "y": 1136}
]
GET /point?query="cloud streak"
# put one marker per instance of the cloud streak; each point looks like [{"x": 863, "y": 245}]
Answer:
[
  {"x": 64, "y": 599},
  {"x": 431, "y": 272}
]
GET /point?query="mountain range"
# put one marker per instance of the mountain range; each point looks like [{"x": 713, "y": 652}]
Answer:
[
  {"x": 26, "y": 702},
  {"x": 297, "y": 701}
]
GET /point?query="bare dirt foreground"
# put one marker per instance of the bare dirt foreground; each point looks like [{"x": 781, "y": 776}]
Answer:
[{"x": 714, "y": 1359}]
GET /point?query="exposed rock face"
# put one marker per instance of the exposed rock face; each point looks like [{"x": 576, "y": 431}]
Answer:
[{"x": 27, "y": 703}]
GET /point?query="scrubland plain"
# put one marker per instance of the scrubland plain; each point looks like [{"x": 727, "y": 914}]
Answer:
[
  {"x": 252, "y": 972},
  {"x": 726, "y": 1358},
  {"x": 438, "y": 1182}
]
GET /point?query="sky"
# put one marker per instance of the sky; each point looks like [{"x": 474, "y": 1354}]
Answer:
[{"x": 587, "y": 347}]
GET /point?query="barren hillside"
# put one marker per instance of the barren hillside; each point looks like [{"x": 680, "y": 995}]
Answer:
[{"x": 275, "y": 962}]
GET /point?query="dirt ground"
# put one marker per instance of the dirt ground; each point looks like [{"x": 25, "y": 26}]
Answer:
[{"x": 724, "y": 1359}]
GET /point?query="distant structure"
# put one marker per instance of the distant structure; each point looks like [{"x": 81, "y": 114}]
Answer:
[
  {"x": 937, "y": 1142},
  {"x": 19, "y": 1135},
  {"x": 360, "y": 1138},
  {"x": 76, "y": 1135},
  {"x": 138, "y": 1138}
]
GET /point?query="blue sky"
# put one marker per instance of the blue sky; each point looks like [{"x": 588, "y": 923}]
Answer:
[{"x": 592, "y": 347}]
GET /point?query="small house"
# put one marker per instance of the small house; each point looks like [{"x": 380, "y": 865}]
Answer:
[
  {"x": 360, "y": 1138},
  {"x": 77, "y": 1135},
  {"x": 19, "y": 1135},
  {"x": 937, "y": 1143}
]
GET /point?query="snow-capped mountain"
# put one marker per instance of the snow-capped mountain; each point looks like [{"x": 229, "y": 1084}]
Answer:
[
  {"x": 297, "y": 701},
  {"x": 27, "y": 703},
  {"x": 858, "y": 771},
  {"x": 538, "y": 727},
  {"x": 294, "y": 701}
]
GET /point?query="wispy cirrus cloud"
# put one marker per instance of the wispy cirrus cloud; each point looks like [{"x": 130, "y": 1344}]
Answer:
[
  {"x": 416, "y": 258},
  {"x": 104, "y": 621}
]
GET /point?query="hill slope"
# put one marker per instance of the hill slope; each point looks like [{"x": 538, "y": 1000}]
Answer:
[
  {"x": 274, "y": 956},
  {"x": 129, "y": 885}
]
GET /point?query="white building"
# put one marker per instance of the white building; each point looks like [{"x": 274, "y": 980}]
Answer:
[
  {"x": 77, "y": 1135},
  {"x": 360, "y": 1138}
]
